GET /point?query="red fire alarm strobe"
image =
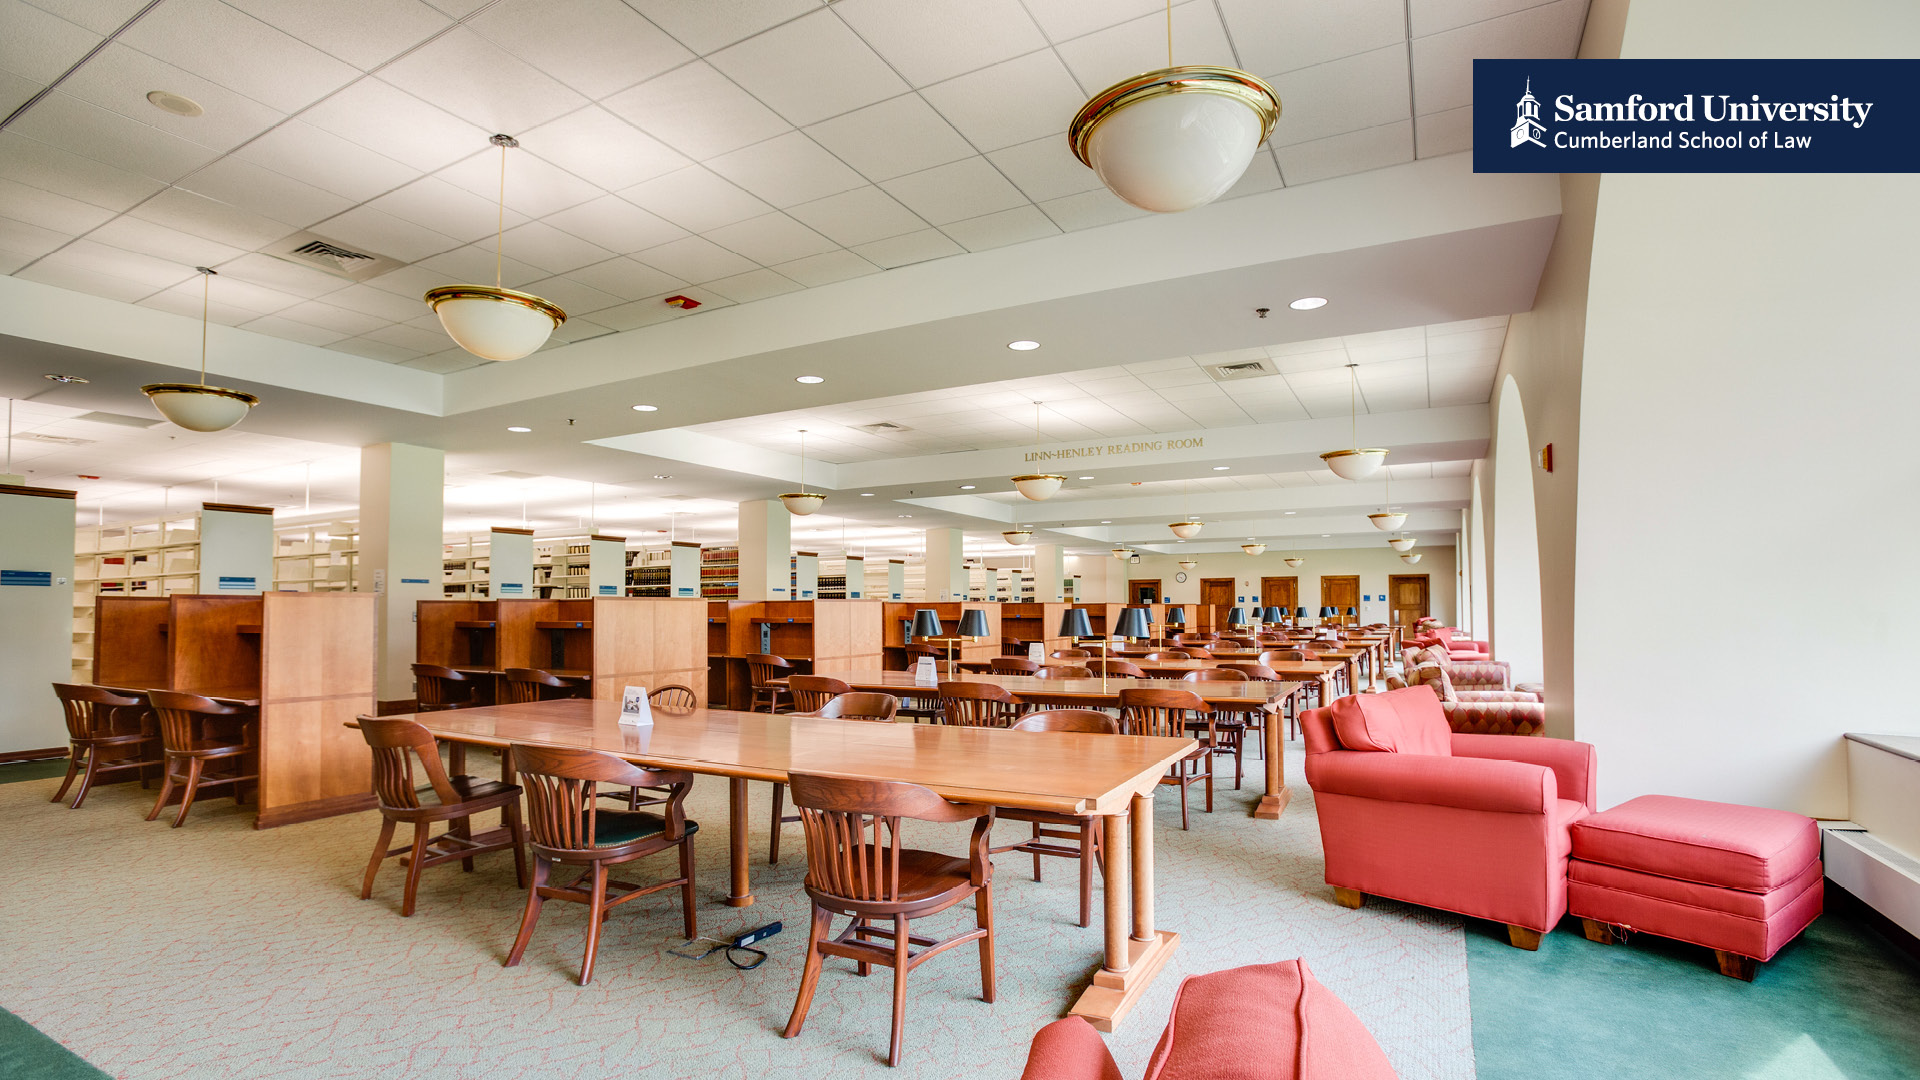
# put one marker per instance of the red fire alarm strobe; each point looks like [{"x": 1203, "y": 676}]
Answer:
[{"x": 685, "y": 303}]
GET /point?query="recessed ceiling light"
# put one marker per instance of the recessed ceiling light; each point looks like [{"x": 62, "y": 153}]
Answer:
[
  {"x": 1023, "y": 346},
  {"x": 167, "y": 101},
  {"x": 966, "y": 487},
  {"x": 809, "y": 379},
  {"x": 66, "y": 378},
  {"x": 866, "y": 494},
  {"x": 1086, "y": 478},
  {"x": 520, "y": 430},
  {"x": 1290, "y": 513},
  {"x": 906, "y": 515},
  {"x": 1323, "y": 536},
  {"x": 1106, "y": 523},
  {"x": 646, "y": 408},
  {"x": 1221, "y": 468},
  {"x": 1308, "y": 303},
  {"x": 662, "y": 476}
]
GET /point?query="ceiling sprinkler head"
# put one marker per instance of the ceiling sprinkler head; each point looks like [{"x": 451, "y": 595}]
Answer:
[{"x": 1262, "y": 312}]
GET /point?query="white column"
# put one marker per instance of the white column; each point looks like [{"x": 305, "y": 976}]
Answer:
[
  {"x": 896, "y": 579},
  {"x": 946, "y": 565},
  {"x": 1049, "y": 573},
  {"x": 607, "y": 565},
  {"x": 400, "y": 547},
  {"x": 806, "y": 575},
  {"x": 236, "y": 549},
  {"x": 510, "y": 564},
  {"x": 683, "y": 573},
  {"x": 36, "y": 632},
  {"x": 856, "y": 577},
  {"x": 766, "y": 538}
]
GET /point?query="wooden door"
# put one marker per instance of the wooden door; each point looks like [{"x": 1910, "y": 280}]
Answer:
[
  {"x": 1280, "y": 592},
  {"x": 1217, "y": 591},
  {"x": 1144, "y": 591},
  {"x": 1407, "y": 598},
  {"x": 1342, "y": 593}
]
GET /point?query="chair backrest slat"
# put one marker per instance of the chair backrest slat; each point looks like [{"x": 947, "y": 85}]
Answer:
[
  {"x": 860, "y": 706},
  {"x": 521, "y": 685},
  {"x": 90, "y": 709},
  {"x": 1160, "y": 712},
  {"x": 561, "y": 784},
  {"x": 396, "y": 743},
  {"x": 1091, "y": 721},
  {"x": 179, "y": 714},
  {"x": 837, "y": 814},
  {"x": 674, "y": 696},
  {"x": 812, "y": 692},
  {"x": 974, "y": 704}
]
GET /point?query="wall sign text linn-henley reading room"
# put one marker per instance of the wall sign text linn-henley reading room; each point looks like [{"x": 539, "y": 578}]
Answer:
[{"x": 1194, "y": 443}]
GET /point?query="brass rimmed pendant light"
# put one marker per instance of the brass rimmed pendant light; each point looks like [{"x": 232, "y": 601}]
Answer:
[
  {"x": 494, "y": 322},
  {"x": 1401, "y": 543},
  {"x": 1356, "y": 463},
  {"x": 803, "y": 502},
  {"x": 197, "y": 406},
  {"x": 1187, "y": 528},
  {"x": 1188, "y": 564},
  {"x": 1176, "y": 138},
  {"x": 1254, "y": 548},
  {"x": 1410, "y": 558},
  {"x": 1038, "y": 486},
  {"x": 1294, "y": 561},
  {"x": 1017, "y": 535},
  {"x": 1388, "y": 519},
  {"x": 1121, "y": 553}
]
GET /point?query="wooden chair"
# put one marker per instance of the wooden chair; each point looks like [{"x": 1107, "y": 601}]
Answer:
[
  {"x": 570, "y": 828},
  {"x": 1168, "y": 713},
  {"x": 1069, "y": 654},
  {"x": 1116, "y": 669},
  {"x": 762, "y": 669},
  {"x": 1168, "y": 654},
  {"x": 1271, "y": 655},
  {"x": 189, "y": 742},
  {"x": 1063, "y": 671},
  {"x": 396, "y": 743},
  {"x": 911, "y": 705},
  {"x": 673, "y": 696},
  {"x": 1258, "y": 721},
  {"x": 100, "y": 721},
  {"x": 440, "y": 688},
  {"x": 1012, "y": 665},
  {"x": 976, "y": 704},
  {"x": 881, "y": 879},
  {"x": 879, "y": 708},
  {"x": 520, "y": 685},
  {"x": 1050, "y": 826},
  {"x": 1229, "y": 727},
  {"x": 811, "y": 693}
]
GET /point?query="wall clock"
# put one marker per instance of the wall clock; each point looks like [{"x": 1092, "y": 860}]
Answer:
[{"x": 1181, "y": 578}]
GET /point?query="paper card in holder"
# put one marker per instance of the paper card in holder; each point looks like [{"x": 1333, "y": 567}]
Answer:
[
  {"x": 635, "y": 709},
  {"x": 924, "y": 672}
]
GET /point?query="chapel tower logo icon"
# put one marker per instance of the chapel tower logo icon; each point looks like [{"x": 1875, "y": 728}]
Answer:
[{"x": 1526, "y": 120}]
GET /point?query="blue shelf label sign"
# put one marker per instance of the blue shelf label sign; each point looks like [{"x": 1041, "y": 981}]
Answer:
[
  {"x": 608, "y": 590},
  {"x": 27, "y": 577},
  {"x": 512, "y": 588},
  {"x": 238, "y": 584},
  {"x": 415, "y": 581}
]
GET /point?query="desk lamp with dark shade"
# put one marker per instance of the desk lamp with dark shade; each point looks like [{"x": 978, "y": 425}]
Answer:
[
  {"x": 1075, "y": 627},
  {"x": 1299, "y": 613},
  {"x": 1274, "y": 615},
  {"x": 1134, "y": 623},
  {"x": 1354, "y": 615},
  {"x": 926, "y": 624},
  {"x": 1237, "y": 617},
  {"x": 973, "y": 624},
  {"x": 1176, "y": 616}
]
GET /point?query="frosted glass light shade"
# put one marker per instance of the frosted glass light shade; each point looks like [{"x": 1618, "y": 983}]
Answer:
[
  {"x": 1017, "y": 536},
  {"x": 1354, "y": 464},
  {"x": 1176, "y": 138},
  {"x": 1121, "y": 553},
  {"x": 1188, "y": 564},
  {"x": 1039, "y": 486},
  {"x": 1186, "y": 530},
  {"x": 199, "y": 408},
  {"x": 802, "y": 503},
  {"x": 1409, "y": 558},
  {"x": 1387, "y": 521},
  {"x": 494, "y": 324},
  {"x": 1294, "y": 562},
  {"x": 1253, "y": 549},
  {"x": 1401, "y": 543}
]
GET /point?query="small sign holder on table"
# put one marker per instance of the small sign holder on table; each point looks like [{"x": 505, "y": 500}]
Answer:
[{"x": 635, "y": 709}]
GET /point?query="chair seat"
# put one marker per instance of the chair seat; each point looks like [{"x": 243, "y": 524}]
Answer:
[
  {"x": 213, "y": 748},
  {"x": 469, "y": 789},
  {"x": 615, "y": 827},
  {"x": 115, "y": 740},
  {"x": 924, "y": 875}
]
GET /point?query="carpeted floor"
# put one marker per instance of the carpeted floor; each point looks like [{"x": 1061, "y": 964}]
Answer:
[{"x": 217, "y": 951}]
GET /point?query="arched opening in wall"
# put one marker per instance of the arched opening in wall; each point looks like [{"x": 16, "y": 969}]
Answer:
[
  {"x": 1477, "y": 620},
  {"x": 1517, "y": 635}
]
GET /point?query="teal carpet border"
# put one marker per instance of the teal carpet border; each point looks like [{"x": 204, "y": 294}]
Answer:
[{"x": 25, "y": 1054}]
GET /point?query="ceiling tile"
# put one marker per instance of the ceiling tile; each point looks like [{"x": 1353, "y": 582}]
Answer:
[
  {"x": 575, "y": 329},
  {"x": 375, "y": 350},
  {"x": 930, "y": 40},
  {"x": 321, "y": 313},
  {"x": 1101, "y": 59},
  {"x": 594, "y": 46},
  {"x": 364, "y": 33},
  {"x": 444, "y": 363},
  {"x": 99, "y": 16},
  {"x": 909, "y": 248},
  {"x": 707, "y": 25},
  {"x": 478, "y": 81},
  {"x": 1012, "y": 102},
  {"x": 809, "y": 69},
  {"x": 1045, "y": 169},
  {"x": 1274, "y": 36},
  {"x": 1000, "y": 229},
  {"x": 410, "y": 282},
  {"x": 542, "y": 245},
  {"x": 787, "y": 170},
  {"x": 859, "y": 216},
  {"x": 952, "y": 192},
  {"x": 1444, "y": 132},
  {"x": 1262, "y": 175},
  {"x": 1090, "y": 209},
  {"x": 376, "y": 302},
  {"x": 616, "y": 224},
  {"x": 390, "y": 121},
  {"x": 573, "y": 297},
  {"x": 21, "y": 243},
  {"x": 15, "y": 91},
  {"x": 410, "y": 338},
  {"x": 1062, "y": 20},
  {"x": 1348, "y": 94},
  {"x": 770, "y": 238},
  {"x": 895, "y": 137},
  {"x": 79, "y": 279},
  {"x": 1466, "y": 341},
  {"x": 46, "y": 209},
  {"x": 91, "y": 131},
  {"x": 1341, "y": 155},
  {"x": 473, "y": 263},
  {"x": 326, "y": 161},
  {"x": 695, "y": 199},
  {"x": 201, "y": 216},
  {"x": 119, "y": 79},
  {"x": 827, "y": 268},
  {"x": 1443, "y": 63},
  {"x": 241, "y": 53},
  {"x": 149, "y": 238},
  {"x": 35, "y": 164},
  {"x": 39, "y": 45},
  {"x": 224, "y": 291},
  {"x": 602, "y": 148},
  {"x": 292, "y": 330},
  {"x": 432, "y": 203},
  {"x": 386, "y": 234},
  {"x": 628, "y": 279},
  {"x": 265, "y": 192},
  {"x": 654, "y": 309},
  {"x": 98, "y": 258},
  {"x": 697, "y": 111},
  {"x": 535, "y": 186},
  {"x": 753, "y": 285},
  {"x": 695, "y": 259}
]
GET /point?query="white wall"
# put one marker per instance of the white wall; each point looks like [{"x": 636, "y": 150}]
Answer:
[
  {"x": 1374, "y": 565},
  {"x": 1748, "y": 456},
  {"x": 1516, "y": 546},
  {"x": 36, "y": 535}
]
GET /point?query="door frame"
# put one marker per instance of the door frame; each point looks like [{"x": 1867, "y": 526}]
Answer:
[
  {"x": 1133, "y": 595},
  {"x": 1220, "y": 615},
  {"x": 1341, "y": 619},
  {"x": 1295, "y": 578},
  {"x": 1428, "y": 606}
]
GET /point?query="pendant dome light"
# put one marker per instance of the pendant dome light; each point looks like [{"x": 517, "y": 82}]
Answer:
[
  {"x": 1253, "y": 549},
  {"x": 1188, "y": 564},
  {"x": 197, "y": 406},
  {"x": 1176, "y": 138},
  {"x": 1354, "y": 464},
  {"x": 1038, "y": 486},
  {"x": 493, "y": 322},
  {"x": 1122, "y": 553},
  {"x": 1017, "y": 535},
  {"x": 1401, "y": 543},
  {"x": 803, "y": 502},
  {"x": 1388, "y": 519},
  {"x": 1187, "y": 528},
  {"x": 1409, "y": 558},
  {"x": 1294, "y": 561}
]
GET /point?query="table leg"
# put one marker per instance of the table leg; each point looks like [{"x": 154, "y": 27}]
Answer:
[
  {"x": 742, "y": 894},
  {"x": 1132, "y": 960},
  {"x": 1275, "y": 800}
]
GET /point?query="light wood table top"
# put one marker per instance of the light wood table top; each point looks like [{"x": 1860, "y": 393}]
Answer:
[{"x": 1247, "y": 696}]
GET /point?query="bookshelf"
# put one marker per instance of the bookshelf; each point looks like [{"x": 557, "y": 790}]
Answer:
[
  {"x": 650, "y": 573},
  {"x": 464, "y": 562},
  {"x": 720, "y": 573},
  {"x": 562, "y": 569},
  {"x": 321, "y": 557}
]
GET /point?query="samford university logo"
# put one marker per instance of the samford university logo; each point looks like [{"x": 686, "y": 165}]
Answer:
[{"x": 1526, "y": 120}]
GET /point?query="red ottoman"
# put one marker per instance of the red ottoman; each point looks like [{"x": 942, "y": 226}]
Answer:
[{"x": 1740, "y": 880}]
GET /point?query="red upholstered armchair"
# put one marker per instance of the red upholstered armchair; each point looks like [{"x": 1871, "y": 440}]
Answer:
[
  {"x": 1466, "y": 674},
  {"x": 1475, "y": 824},
  {"x": 1272, "y": 1021},
  {"x": 1478, "y": 712}
]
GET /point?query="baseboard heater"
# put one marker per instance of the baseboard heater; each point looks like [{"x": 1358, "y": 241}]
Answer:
[{"x": 1881, "y": 875}]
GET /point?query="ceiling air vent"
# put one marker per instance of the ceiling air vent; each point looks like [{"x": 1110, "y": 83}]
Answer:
[
  {"x": 121, "y": 419},
  {"x": 884, "y": 427},
  {"x": 517, "y": 475},
  {"x": 332, "y": 256},
  {"x": 1243, "y": 369}
]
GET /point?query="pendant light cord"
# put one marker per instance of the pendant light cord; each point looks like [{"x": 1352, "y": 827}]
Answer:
[
  {"x": 206, "y": 306},
  {"x": 1169, "y": 33},
  {"x": 803, "y": 461},
  {"x": 500, "y": 231}
]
